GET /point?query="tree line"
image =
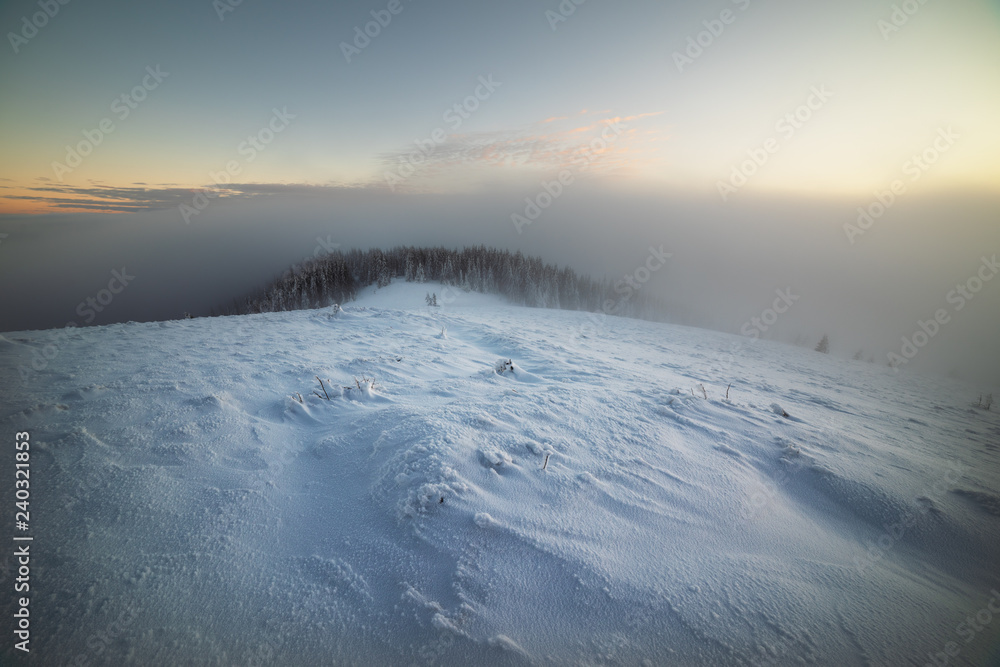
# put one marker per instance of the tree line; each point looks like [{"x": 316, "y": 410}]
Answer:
[{"x": 337, "y": 277}]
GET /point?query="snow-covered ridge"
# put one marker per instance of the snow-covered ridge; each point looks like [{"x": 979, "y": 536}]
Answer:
[{"x": 517, "y": 486}]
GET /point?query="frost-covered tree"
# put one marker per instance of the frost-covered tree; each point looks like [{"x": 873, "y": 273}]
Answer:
[
  {"x": 447, "y": 272},
  {"x": 337, "y": 276},
  {"x": 382, "y": 276},
  {"x": 823, "y": 345},
  {"x": 409, "y": 270}
]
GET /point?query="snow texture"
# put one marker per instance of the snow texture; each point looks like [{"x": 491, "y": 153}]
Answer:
[{"x": 190, "y": 509}]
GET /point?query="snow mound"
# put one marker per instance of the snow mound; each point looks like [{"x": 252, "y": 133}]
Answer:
[
  {"x": 364, "y": 389},
  {"x": 507, "y": 368}
]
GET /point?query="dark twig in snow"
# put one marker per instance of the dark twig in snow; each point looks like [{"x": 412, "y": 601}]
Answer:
[{"x": 324, "y": 389}]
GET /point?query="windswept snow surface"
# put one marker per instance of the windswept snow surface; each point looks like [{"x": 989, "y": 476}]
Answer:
[{"x": 187, "y": 510}]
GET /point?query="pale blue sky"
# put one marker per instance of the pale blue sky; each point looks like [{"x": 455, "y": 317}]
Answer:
[{"x": 890, "y": 92}]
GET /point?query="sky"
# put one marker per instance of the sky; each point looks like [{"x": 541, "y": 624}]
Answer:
[{"x": 210, "y": 144}]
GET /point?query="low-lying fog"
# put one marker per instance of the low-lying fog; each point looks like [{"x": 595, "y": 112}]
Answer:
[{"x": 923, "y": 258}]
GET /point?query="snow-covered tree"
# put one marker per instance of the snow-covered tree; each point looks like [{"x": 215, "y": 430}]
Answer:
[
  {"x": 447, "y": 272},
  {"x": 409, "y": 270},
  {"x": 337, "y": 276},
  {"x": 382, "y": 276}
]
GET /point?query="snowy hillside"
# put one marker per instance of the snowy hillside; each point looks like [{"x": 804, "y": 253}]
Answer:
[{"x": 591, "y": 504}]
